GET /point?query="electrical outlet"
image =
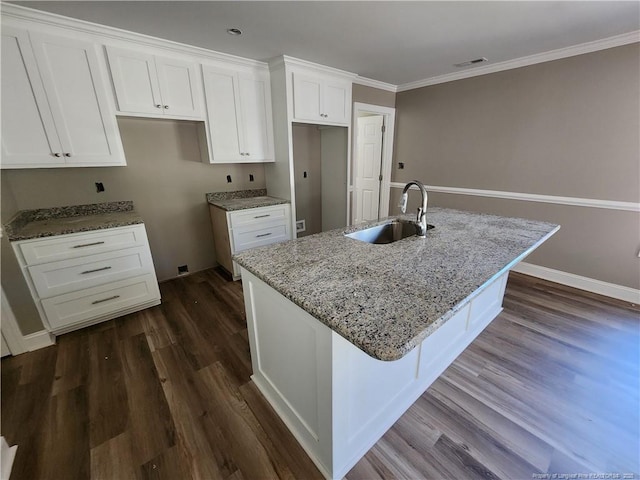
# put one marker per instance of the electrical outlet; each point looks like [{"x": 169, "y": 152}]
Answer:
[
  {"x": 400, "y": 166},
  {"x": 228, "y": 178},
  {"x": 300, "y": 226},
  {"x": 304, "y": 174},
  {"x": 251, "y": 177},
  {"x": 99, "y": 187}
]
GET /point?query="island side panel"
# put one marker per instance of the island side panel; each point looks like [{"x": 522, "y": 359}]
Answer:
[
  {"x": 291, "y": 361},
  {"x": 370, "y": 395}
]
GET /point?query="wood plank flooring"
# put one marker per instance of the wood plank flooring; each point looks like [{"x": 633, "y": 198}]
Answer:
[{"x": 550, "y": 387}]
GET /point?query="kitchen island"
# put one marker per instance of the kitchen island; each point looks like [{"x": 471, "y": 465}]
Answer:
[{"x": 345, "y": 335}]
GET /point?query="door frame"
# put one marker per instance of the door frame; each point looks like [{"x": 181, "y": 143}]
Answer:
[{"x": 389, "y": 115}]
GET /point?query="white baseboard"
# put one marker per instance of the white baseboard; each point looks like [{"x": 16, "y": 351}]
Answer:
[
  {"x": 583, "y": 283},
  {"x": 37, "y": 340}
]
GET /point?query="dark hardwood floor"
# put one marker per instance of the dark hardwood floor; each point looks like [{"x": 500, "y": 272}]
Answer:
[{"x": 551, "y": 386}]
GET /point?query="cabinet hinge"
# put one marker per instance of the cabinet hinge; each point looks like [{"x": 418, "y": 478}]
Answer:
[
  {"x": 380, "y": 177},
  {"x": 384, "y": 129}
]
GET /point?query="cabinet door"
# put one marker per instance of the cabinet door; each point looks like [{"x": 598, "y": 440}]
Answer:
[
  {"x": 179, "y": 87},
  {"x": 336, "y": 103},
  {"x": 135, "y": 81},
  {"x": 77, "y": 94},
  {"x": 223, "y": 115},
  {"x": 307, "y": 98},
  {"x": 255, "y": 100},
  {"x": 29, "y": 137}
]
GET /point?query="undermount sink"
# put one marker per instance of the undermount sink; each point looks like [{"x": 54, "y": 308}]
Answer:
[{"x": 386, "y": 233}]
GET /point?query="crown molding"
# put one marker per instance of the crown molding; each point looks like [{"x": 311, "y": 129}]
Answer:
[
  {"x": 285, "y": 60},
  {"x": 603, "y": 44},
  {"x": 370, "y": 82},
  {"x": 21, "y": 13}
]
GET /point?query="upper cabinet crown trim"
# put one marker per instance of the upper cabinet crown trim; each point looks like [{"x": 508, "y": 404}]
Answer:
[
  {"x": 285, "y": 60},
  {"x": 18, "y": 12}
]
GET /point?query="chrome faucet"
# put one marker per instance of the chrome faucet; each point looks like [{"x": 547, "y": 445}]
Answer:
[{"x": 422, "y": 211}]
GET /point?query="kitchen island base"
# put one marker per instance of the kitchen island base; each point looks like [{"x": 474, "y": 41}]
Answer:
[{"x": 335, "y": 399}]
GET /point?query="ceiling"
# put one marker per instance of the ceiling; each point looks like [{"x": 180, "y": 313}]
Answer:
[{"x": 389, "y": 41}]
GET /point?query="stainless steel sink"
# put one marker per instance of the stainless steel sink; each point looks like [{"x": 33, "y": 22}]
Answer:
[{"x": 387, "y": 232}]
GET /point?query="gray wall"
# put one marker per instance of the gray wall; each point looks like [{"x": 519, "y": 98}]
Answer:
[
  {"x": 568, "y": 128},
  {"x": 306, "y": 158},
  {"x": 166, "y": 181},
  {"x": 373, "y": 96}
]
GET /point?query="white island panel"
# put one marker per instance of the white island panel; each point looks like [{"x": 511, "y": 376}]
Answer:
[{"x": 337, "y": 400}]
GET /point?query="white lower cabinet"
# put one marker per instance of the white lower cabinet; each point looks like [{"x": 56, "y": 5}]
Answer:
[
  {"x": 85, "y": 278},
  {"x": 240, "y": 230}
]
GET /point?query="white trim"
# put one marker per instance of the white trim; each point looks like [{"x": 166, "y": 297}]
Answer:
[
  {"x": 7, "y": 455},
  {"x": 603, "y": 44},
  {"x": 10, "y": 330},
  {"x": 370, "y": 82},
  {"x": 37, "y": 340},
  {"x": 583, "y": 283},
  {"x": 387, "y": 154},
  {"x": 282, "y": 60},
  {"x": 20, "y": 12},
  {"x": 534, "y": 197}
]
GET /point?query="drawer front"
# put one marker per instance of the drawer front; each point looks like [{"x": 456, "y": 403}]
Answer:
[
  {"x": 90, "y": 303},
  {"x": 57, "y": 278},
  {"x": 243, "y": 239},
  {"x": 76, "y": 245},
  {"x": 276, "y": 214}
]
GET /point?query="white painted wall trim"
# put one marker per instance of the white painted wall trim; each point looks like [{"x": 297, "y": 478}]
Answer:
[
  {"x": 533, "y": 197},
  {"x": 20, "y": 12},
  {"x": 37, "y": 340},
  {"x": 370, "y": 82},
  {"x": 603, "y": 44},
  {"x": 7, "y": 455},
  {"x": 583, "y": 283},
  {"x": 10, "y": 329}
]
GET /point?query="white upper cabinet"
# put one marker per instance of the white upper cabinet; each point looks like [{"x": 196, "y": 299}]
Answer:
[
  {"x": 238, "y": 115},
  {"x": 56, "y": 111},
  {"x": 155, "y": 85},
  {"x": 321, "y": 100}
]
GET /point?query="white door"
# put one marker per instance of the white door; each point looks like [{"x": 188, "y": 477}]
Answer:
[
  {"x": 256, "y": 117},
  {"x": 29, "y": 137},
  {"x": 135, "y": 81},
  {"x": 179, "y": 87},
  {"x": 79, "y": 100},
  {"x": 307, "y": 98},
  {"x": 335, "y": 101},
  {"x": 367, "y": 168},
  {"x": 223, "y": 114}
]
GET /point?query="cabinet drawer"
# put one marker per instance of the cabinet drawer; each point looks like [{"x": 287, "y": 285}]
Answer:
[
  {"x": 244, "y": 239},
  {"x": 277, "y": 214},
  {"x": 56, "y": 278},
  {"x": 83, "y": 305},
  {"x": 76, "y": 245}
]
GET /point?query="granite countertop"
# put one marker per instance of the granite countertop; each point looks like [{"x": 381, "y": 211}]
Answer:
[
  {"x": 242, "y": 199},
  {"x": 47, "y": 222},
  {"x": 386, "y": 299}
]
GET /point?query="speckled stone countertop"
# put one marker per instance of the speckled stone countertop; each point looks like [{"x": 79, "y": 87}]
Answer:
[
  {"x": 242, "y": 199},
  {"x": 385, "y": 299},
  {"x": 47, "y": 222}
]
